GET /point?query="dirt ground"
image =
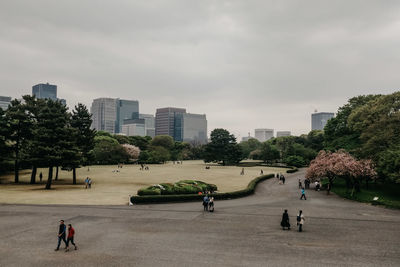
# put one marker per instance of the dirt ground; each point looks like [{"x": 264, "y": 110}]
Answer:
[{"x": 113, "y": 188}]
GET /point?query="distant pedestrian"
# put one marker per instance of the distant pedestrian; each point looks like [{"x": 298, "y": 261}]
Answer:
[
  {"x": 261, "y": 172},
  {"x": 71, "y": 234},
  {"x": 307, "y": 183},
  {"x": 303, "y": 194},
  {"x": 300, "y": 220},
  {"x": 300, "y": 184},
  {"x": 40, "y": 176},
  {"x": 211, "y": 204},
  {"x": 317, "y": 186},
  {"x": 242, "y": 172},
  {"x": 86, "y": 182},
  {"x": 283, "y": 179},
  {"x": 90, "y": 183},
  {"x": 285, "y": 221},
  {"x": 328, "y": 188},
  {"x": 61, "y": 235},
  {"x": 205, "y": 203}
]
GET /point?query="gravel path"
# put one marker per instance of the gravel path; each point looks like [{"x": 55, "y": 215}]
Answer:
[{"x": 241, "y": 232}]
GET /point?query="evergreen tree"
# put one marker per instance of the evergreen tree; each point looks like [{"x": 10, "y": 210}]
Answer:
[
  {"x": 4, "y": 137},
  {"x": 223, "y": 148},
  {"x": 20, "y": 126},
  {"x": 81, "y": 121},
  {"x": 52, "y": 136}
]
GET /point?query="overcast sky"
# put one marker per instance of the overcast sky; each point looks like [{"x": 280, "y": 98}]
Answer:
[{"x": 246, "y": 64}]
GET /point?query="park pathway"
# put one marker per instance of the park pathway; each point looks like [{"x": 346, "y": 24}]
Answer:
[{"x": 241, "y": 232}]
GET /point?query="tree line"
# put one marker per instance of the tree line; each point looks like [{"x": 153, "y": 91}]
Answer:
[{"x": 42, "y": 133}]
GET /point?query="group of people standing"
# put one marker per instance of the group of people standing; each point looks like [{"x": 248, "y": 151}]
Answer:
[
  {"x": 62, "y": 232},
  {"x": 299, "y": 219},
  {"x": 88, "y": 183},
  {"x": 281, "y": 178},
  {"x": 208, "y": 203}
]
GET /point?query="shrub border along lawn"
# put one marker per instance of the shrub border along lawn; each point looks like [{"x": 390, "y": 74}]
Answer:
[
  {"x": 218, "y": 196},
  {"x": 292, "y": 170}
]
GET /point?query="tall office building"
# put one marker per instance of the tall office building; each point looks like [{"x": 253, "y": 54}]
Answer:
[
  {"x": 246, "y": 138},
  {"x": 283, "y": 133},
  {"x": 150, "y": 124},
  {"x": 126, "y": 110},
  {"x": 263, "y": 135},
  {"x": 104, "y": 111},
  {"x": 319, "y": 120},
  {"x": 46, "y": 91},
  {"x": 134, "y": 127},
  {"x": 191, "y": 128},
  {"x": 4, "y": 102},
  {"x": 165, "y": 120}
]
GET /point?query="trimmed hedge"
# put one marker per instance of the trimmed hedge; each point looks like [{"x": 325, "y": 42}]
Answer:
[
  {"x": 183, "y": 187},
  {"x": 292, "y": 170},
  {"x": 194, "y": 197}
]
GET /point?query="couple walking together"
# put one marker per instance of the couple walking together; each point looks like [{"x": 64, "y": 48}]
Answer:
[
  {"x": 62, "y": 231},
  {"x": 208, "y": 203},
  {"x": 285, "y": 220}
]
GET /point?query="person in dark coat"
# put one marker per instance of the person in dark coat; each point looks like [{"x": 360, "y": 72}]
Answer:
[
  {"x": 285, "y": 221},
  {"x": 61, "y": 235}
]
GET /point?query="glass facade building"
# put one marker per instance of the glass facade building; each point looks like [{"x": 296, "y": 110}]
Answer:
[
  {"x": 263, "y": 135},
  {"x": 4, "y": 102},
  {"x": 191, "y": 128},
  {"x": 319, "y": 119},
  {"x": 126, "y": 110},
  {"x": 165, "y": 120},
  {"x": 104, "y": 114},
  {"x": 45, "y": 91},
  {"x": 150, "y": 124}
]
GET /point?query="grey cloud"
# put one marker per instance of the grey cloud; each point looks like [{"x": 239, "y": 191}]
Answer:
[{"x": 246, "y": 64}]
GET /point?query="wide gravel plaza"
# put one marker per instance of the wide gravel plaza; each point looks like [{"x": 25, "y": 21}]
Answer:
[{"x": 241, "y": 232}]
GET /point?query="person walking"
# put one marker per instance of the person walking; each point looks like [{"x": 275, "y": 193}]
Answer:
[
  {"x": 328, "y": 188},
  {"x": 283, "y": 179},
  {"x": 300, "y": 185},
  {"x": 70, "y": 238},
  {"x": 211, "y": 204},
  {"x": 205, "y": 202},
  {"x": 61, "y": 235},
  {"x": 86, "y": 182},
  {"x": 90, "y": 183},
  {"x": 40, "y": 176},
  {"x": 261, "y": 172},
  {"x": 303, "y": 194},
  {"x": 300, "y": 220},
  {"x": 242, "y": 172},
  {"x": 285, "y": 221}
]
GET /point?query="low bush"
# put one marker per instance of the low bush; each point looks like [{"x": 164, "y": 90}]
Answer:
[
  {"x": 179, "y": 188},
  {"x": 143, "y": 199},
  {"x": 149, "y": 191},
  {"x": 292, "y": 170}
]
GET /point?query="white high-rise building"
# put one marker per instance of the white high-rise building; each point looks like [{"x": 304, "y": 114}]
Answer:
[
  {"x": 319, "y": 119},
  {"x": 104, "y": 114},
  {"x": 264, "y": 134}
]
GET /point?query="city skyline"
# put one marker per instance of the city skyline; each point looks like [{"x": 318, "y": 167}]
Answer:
[{"x": 246, "y": 66}]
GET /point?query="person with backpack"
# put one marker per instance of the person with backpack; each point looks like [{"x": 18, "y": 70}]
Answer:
[
  {"x": 70, "y": 238},
  {"x": 300, "y": 220},
  {"x": 285, "y": 220},
  {"x": 61, "y": 234},
  {"x": 303, "y": 194}
]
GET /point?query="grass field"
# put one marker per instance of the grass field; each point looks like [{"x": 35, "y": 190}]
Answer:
[{"x": 114, "y": 188}]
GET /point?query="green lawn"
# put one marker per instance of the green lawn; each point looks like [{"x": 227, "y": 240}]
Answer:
[{"x": 388, "y": 194}]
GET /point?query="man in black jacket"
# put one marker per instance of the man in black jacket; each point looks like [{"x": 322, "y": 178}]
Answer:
[
  {"x": 285, "y": 220},
  {"x": 61, "y": 235}
]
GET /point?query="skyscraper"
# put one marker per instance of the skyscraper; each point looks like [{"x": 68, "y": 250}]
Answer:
[
  {"x": 150, "y": 124},
  {"x": 45, "y": 91},
  {"x": 263, "y": 135},
  {"x": 4, "y": 102},
  {"x": 319, "y": 119},
  {"x": 104, "y": 111},
  {"x": 165, "y": 120},
  {"x": 191, "y": 128},
  {"x": 126, "y": 110}
]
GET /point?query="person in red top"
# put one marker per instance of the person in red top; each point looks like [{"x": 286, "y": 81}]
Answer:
[{"x": 71, "y": 233}]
